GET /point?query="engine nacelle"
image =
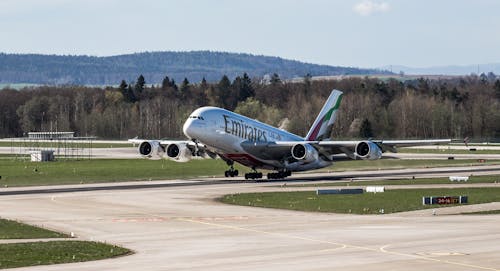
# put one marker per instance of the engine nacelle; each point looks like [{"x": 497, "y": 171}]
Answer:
[
  {"x": 368, "y": 150},
  {"x": 151, "y": 149},
  {"x": 304, "y": 153},
  {"x": 178, "y": 152}
]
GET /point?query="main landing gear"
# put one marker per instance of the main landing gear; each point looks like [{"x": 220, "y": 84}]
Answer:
[
  {"x": 231, "y": 172},
  {"x": 253, "y": 175},
  {"x": 270, "y": 176},
  {"x": 278, "y": 175}
]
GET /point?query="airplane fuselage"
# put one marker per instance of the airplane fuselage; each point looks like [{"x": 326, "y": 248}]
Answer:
[{"x": 223, "y": 132}]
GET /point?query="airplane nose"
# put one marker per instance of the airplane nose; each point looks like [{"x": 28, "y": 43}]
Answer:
[{"x": 187, "y": 128}]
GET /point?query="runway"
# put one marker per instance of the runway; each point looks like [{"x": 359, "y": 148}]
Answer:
[
  {"x": 132, "y": 153},
  {"x": 295, "y": 178},
  {"x": 182, "y": 227}
]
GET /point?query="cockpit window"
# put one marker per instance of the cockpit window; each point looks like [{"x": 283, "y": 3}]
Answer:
[{"x": 196, "y": 117}]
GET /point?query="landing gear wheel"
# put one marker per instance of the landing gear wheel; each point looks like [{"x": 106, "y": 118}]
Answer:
[
  {"x": 278, "y": 175},
  {"x": 231, "y": 172},
  {"x": 253, "y": 175}
]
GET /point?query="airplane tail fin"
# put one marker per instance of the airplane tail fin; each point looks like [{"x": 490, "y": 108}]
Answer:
[{"x": 322, "y": 126}]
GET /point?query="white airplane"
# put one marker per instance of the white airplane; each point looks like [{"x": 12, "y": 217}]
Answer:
[{"x": 216, "y": 132}]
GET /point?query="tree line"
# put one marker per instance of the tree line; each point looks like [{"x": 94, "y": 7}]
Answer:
[
  {"x": 460, "y": 107},
  {"x": 109, "y": 70}
]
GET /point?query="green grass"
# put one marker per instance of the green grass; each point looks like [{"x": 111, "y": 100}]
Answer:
[
  {"x": 450, "y": 152},
  {"x": 391, "y": 201},
  {"x": 24, "y": 173},
  {"x": 73, "y": 144},
  {"x": 54, "y": 252},
  {"x": 14, "y": 230},
  {"x": 8, "y": 155},
  {"x": 472, "y": 179},
  {"x": 492, "y": 212},
  {"x": 51, "y": 252},
  {"x": 404, "y": 163}
]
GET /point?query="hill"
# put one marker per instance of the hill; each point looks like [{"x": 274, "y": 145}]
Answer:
[
  {"x": 454, "y": 70},
  {"x": 110, "y": 70}
]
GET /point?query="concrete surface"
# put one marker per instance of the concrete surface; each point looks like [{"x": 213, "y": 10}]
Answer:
[{"x": 184, "y": 228}]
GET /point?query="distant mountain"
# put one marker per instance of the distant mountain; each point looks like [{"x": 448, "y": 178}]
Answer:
[
  {"x": 448, "y": 70},
  {"x": 110, "y": 70}
]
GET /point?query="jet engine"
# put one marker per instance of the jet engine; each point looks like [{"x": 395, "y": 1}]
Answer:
[
  {"x": 368, "y": 150},
  {"x": 304, "y": 152},
  {"x": 151, "y": 149},
  {"x": 179, "y": 152}
]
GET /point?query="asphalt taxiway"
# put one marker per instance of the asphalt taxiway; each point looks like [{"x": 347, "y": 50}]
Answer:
[{"x": 177, "y": 225}]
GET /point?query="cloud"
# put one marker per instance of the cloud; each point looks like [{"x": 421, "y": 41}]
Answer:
[{"x": 369, "y": 7}]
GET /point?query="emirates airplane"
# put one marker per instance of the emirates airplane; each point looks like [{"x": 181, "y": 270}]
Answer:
[{"x": 215, "y": 132}]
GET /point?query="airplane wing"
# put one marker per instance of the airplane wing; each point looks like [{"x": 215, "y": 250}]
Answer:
[
  {"x": 361, "y": 149},
  {"x": 178, "y": 150},
  {"x": 368, "y": 149},
  {"x": 268, "y": 150}
]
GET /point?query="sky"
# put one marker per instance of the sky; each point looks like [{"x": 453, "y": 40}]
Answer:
[{"x": 356, "y": 33}]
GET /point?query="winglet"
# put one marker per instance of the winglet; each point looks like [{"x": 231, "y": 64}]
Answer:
[{"x": 322, "y": 126}]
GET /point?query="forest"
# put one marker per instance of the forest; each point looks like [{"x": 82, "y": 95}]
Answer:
[
  {"x": 195, "y": 65},
  {"x": 460, "y": 107}
]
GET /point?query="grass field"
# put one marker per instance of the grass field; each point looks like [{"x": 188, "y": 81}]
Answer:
[
  {"x": 54, "y": 252},
  {"x": 472, "y": 179},
  {"x": 54, "y": 145},
  {"x": 493, "y": 212},
  {"x": 7, "y": 155},
  {"x": 51, "y": 252},
  {"x": 391, "y": 201},
  {"x": 25, "y": 173},
  {"x": 14, "y": 230},
  {"x": 447, "y": 151},
  {"x": 404, "y": 163}
]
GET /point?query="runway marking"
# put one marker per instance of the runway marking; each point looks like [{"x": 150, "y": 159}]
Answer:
[
  {"x": 263, "y": 232},
  {"x": 442, "y": 253},
  {"x": 383, "y": 249},
  {"x": 139, "y": 219},
  {"x": 333, "y": 249},
  {"x": 341, "y": 245}
]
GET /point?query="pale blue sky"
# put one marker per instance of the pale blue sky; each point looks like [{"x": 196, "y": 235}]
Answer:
[{"x": 364, "y": 33}]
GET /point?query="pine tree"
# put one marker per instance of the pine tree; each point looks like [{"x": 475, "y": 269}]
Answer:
[
  {"x": 165, "y": 83},
  {"x": 139, "y": 85},
  {"x": 223, "y": 91},
  {"x": 246, "y": 89},
  {"x": 203, "y": 84},
  {"x": 173, "y": 84},
  {"x": 130, "y": 96},
  {"x": 123, "y": 88},
  {"x": 185, "y": 85}
]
